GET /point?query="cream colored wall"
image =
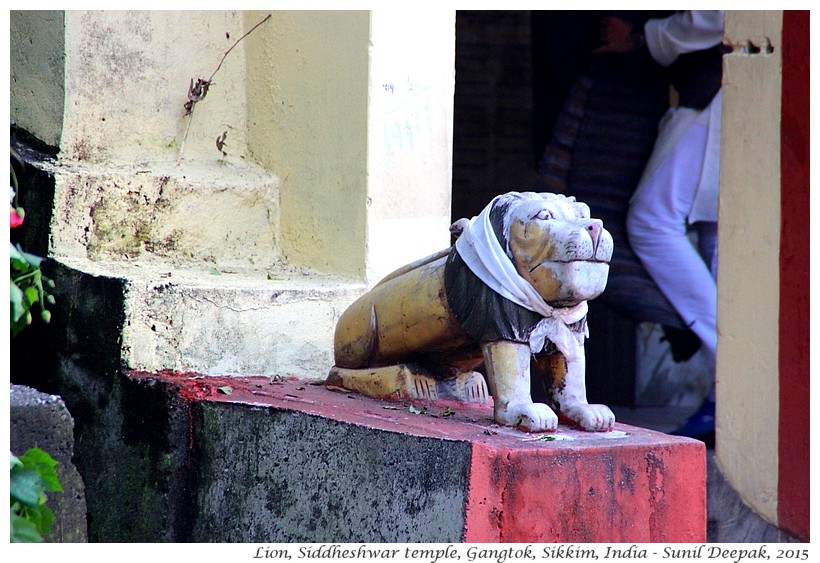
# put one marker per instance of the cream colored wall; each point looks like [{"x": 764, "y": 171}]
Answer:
[
  {"x": 748, "y": 277},
  {"x": 337, "y": 170},
  {"x": 37, "y": 87},
  {"x": 339, "y": 137},
  {"x": 139, "y": 178}
]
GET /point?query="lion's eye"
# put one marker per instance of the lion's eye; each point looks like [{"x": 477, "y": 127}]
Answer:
[{"x": 544, "y": 215}]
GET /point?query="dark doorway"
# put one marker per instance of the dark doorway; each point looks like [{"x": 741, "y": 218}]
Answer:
[{"x": 514, "y": 71}]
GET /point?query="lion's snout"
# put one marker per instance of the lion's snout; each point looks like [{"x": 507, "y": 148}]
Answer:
[{"x": 601, "y": 241}]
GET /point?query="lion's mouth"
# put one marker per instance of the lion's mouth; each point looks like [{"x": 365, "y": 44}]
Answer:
[{"x": 586, "y": 260}]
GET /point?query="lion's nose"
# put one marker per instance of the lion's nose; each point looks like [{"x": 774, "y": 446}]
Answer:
[{"x": 594, "y": 228}]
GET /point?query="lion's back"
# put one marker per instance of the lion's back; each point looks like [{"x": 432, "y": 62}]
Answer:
[{"x": 398, "y": 320}]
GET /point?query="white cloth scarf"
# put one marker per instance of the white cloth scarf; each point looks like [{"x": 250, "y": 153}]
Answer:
[{"x": 480, "y": 249}]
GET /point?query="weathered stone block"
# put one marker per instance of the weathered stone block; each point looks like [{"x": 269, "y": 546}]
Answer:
[{"x": 42, "y": 420}]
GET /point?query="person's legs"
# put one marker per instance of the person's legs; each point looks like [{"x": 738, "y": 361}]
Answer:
[
  {"x": 656, "y": 225},
  {"x": 707, "y": 244}
]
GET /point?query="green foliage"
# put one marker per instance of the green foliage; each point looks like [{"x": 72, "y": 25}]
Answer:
[
  {"x": 32, "y": 474},
  {"x": 28, "y": 289},
  {"x": 28, "y": 284}
]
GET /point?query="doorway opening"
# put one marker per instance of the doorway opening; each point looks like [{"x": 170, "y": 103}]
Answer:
[{"x": 517, "y": 74}]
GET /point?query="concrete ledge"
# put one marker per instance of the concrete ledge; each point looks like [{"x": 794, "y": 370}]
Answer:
[
  {"x": 223, "y": 322},
  {"x": 294, "y": 461}
]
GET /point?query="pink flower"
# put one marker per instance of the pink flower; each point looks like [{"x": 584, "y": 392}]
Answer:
[{"x": 16, "y": 218}]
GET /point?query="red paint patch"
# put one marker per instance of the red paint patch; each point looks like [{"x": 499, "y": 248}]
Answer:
[{"x": 795, "y": 233}]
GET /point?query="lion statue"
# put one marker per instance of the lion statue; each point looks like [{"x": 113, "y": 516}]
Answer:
[{"x": 513, "y": 288}]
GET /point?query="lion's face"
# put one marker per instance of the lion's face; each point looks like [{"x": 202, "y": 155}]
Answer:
[{"x": 558, "y": 248}]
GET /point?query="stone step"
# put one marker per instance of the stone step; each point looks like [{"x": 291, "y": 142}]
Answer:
[
  {"x": 185, "y": 213},
  {"x": 289, "y": 460},
  {"x": 212, "y": 321}
]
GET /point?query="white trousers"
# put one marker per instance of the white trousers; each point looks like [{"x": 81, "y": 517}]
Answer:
[{"x": 657, "y": 229}]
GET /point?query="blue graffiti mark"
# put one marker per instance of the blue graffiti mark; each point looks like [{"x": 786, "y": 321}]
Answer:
[{"x": 408, "y": 131}]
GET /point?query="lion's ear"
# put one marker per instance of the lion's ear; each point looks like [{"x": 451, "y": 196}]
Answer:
[
  {"x": 581, "y": 210},
  {"x": 458, "y": 227}
]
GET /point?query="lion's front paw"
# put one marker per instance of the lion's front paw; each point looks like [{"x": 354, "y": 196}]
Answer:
[
  {"x": 595, "y": 418},
  {"x": 530, "y": 417}
]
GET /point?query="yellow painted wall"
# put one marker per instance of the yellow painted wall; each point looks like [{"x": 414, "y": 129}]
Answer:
[
  {"x": 308, "y": 123},
  {"x": 358, "y": 127},
  {"x": 748, "y": 276}
]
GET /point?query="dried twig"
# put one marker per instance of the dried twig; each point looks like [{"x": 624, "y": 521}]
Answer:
[
  {"x": 220, "y": 143},
  {"x": 197, "y": 91},
  {"x": 251, "y": 30}
]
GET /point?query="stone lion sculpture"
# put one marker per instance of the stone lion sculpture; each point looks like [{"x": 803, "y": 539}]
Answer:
[{"x": 514, "y": 287}]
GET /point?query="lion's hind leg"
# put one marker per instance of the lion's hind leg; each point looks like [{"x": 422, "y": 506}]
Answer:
[
  {"x": 467, "y": 387},
  {"x": 409, "y": 381},
  {"x": 389, "y": 382}
]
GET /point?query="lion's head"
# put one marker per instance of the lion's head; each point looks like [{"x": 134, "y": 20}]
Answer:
[
  {"x": 555, "y": 245},
  {"x": 524, "y": 258}
]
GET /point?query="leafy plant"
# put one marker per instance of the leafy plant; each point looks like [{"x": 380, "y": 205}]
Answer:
[
  {"x": 32, "y": 474},
  {"x": 28, "y": 284}
]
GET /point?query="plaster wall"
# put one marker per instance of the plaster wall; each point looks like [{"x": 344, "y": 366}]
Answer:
[
  {"x": 37, "y": 75},
  {"x": 308, "y": 123},
  {"x": 138, "y": 179},
  {"x": 411, "y": 131},
  {"x": 748, "y": 278},
  {"x": 127, "y": 79}
]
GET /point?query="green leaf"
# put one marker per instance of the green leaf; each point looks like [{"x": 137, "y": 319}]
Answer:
[
  {"x": 18, "y": 307},
  {"x": 41, "y": 516},
  {"x": 23, "y": 530},
  {"x": 32, "y": 295},
  {"x": 16, "y": 254},
  {"x": 32, "y": 259},
  {"x": 227, "y": 389},
  {"x": 26, "y": 486},
  {"x": 414, "y": 410},
  {"x": 45, "y": 466},
  {"x": 15, "y": 186}
]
